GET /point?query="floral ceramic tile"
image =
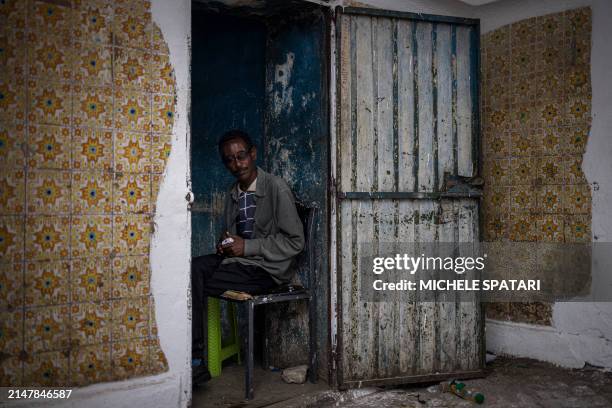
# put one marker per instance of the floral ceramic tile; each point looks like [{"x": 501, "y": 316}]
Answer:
[
  {"x": 91, "y": 323},
  {"x": 551, "y": 199},
  {"x": 163, "y": 113},
  {"x": 551, "y": 140},
  {"x": 93, "y": 23},
  {"x": 522, "y": 227},
  {"x": 132, "y": 193},
  {"x": 130, "y": 318},
  {"x": 49, "y": 103},
  {"x": 496, "y": 144},
  {"x": 91, "y": 235},
  {"x": 12, "y": 99},
  {"x": 577, "y": 81},
  {"x": 550, "y": 228},
  {"x": 47, "y": 328},
  {"x": 523, "y": 32},
  {"x": 50, "y": 58},
  {"x": 90, "y": 364},
  {"x": 48, "y": 192},
  {"x": 12, "y": 55},
  {"x": 131, "y": 234},
  {"x": 12, "y": 192},
  {"x": 11, "y": 373},
  {"x": 132, "y": 30},
  {"x": 579, "y": 52},
  {"x": 550, "y": 169},
  {"x": 579, "y": 110},
  {"x": 160, "y": 152},
  {"x": 53, "y": 19},
  {"x": 11, "y": 332},
  {"x": 12, "y": 145},
  {"x": 153, "y": 331},
  {"x": 498, "y": 171},
  {"x": 91, "y": 193},
  {"x": 11, "y": 285},
  {"x": 90, "y": 279},
  {"x": 158, "y": 43},
  {"x": 13, "y": 14},
  {"x": 524, "y": 142},
  {"x": 11, "y": 238},
  {"x": 93, "y": 107},
  {"x": 552, "y": 112},
  {"x": 524, "y": 59},
  {"x": 93, "y": 64},
  {"x": 578, "y": 199},
  {"x": 522, "y": 89},
  {"x": 49, "y": 147},
  {"x": 131, "y": 276},
  {"x": 524, "y": 116},
  {"x": 578, "y": 228},
  {"x": 133, "y": 110},
  {"x": 155, "y": 186},
  {"x": 575, "y": 138},
  {"x": 498, "y": 119},
  {"x": 132, "y": 69},
  {"x": 47, "y": 369},
  {"x": 578, "y": 21},
  {"x": 159, "y": 363},
  {"x": 496, "y": 227},
  {"x": 47, "y": 283},
  {"x": 129, "y": 359},
  {"x": 162, "y": 74},
  {"x": 496, "y": 199},
  {"x": 92, "y": 149},
  {"x": 550, "y": 85},
  {"x": 47, "y": 237},
  {"x": 551, "y": 26},
  {"x": 572, "y": 167},
  {"x": 522, "y": 170},
  {"x": 132, "y": 152},
  {"x": 522, "y": 199}
]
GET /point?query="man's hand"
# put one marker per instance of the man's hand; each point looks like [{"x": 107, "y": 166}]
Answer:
[{"x": 236, "y": 248}]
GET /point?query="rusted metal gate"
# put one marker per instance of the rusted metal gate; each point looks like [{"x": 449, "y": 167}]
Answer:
[{"x": 407, "y": 113}]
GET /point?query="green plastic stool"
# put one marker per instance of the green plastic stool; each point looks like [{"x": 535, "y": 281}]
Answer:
[{"x": 217, "y": 353}]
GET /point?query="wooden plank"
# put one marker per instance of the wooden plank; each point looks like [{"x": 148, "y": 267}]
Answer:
[
  {"x": 367, "y": 316},
  {"x": 464, "y": 107},
  {"x": 405, "y": 106},
  {"x": 349, "y": 287},
  {"x": 345, "y": 146},
  {"x": 427, "y": 309},
  {"x": 425, "y": 107},
  {"x": 444, "y": 89},
  {"x": 365, "y": 104},
  {"x": 467, "y": 305},
  {"x": 383, "y": 54}
]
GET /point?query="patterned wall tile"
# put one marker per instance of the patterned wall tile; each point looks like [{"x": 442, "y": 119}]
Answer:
[
  {"x": 132, "y": 29},
  {"x": 133, "y": 110},
  {"x": 575, "y": 138},
  {"x": 159, "y": 45},
  {"x": 12, "y": 191},
  {"x": 12, "y": 145},
  {"x": 91, "y": 279},
  {"x": 48, "y": 192},
  {"x": 91, "y": 193},
  {"x": 11, "y": 238},
  {"x": 91, "y": 323},
  {"x": 132, "y": 193},
  {"x": 47, "y": 328},
  {"x": 550, "y": 169},
  {"x": 157, "y": 357},
  {"x": 13, "y": 14},
  {"x": 551, "y": 140},
  {"x": 130, "y": 318},
  {"x": 93, "y": 64},
  {"x": 578, "y": 228},
  {"x": 522, "y": 227},
  {"x": 11, "y": 332},
  {"x": 47, "y": 283},
  {"x": 162, "y": 74},
  {"x": 577, "y": 199},
  {"x": 160, "y": 152},
  {"x": 49, "y": 103},
  {"x": 550, "y": 228},
  {"x": 551, "y": 199},
  {"x": 130, "y": 359},
  {"x": 12, "y": 54},
  {"x": 12, "y": 99},
  {"x": 46, "y": 369},
  {"x": 93, "y": 23},
  {"x": 50, "y": 58},
  {"x": 522, "y": 198},
  {"x": 93, "y": 107},
  {"x": 11, "y": 373},
  {"x": 90, "y": 364},
  {"x": 50, "y": 18},
  {"x": 131, "y": 276},
  {"x": 11, "y": 285},
  {"x": 133, "y": 152},
  {"x": 49, "y": 147},
  {"x": 132, "y": 69},
  {"x": 522, "y": 171},
  {"x": 91, "y": 235},
  {"x": 572, "y": 169},
  {"x": 524, "y": 142},
  {"x": 163, "y": 113},
  {"x": 47, "y": 237},
  {"x": 131, "y": 234},
  {"x": 92, "y": 149}
]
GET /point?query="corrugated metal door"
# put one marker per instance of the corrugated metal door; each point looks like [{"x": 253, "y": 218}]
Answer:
[{"x": 407, "y": 112}]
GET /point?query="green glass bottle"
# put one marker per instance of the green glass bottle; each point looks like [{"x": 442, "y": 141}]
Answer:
[{"x": 460, "y": 390}]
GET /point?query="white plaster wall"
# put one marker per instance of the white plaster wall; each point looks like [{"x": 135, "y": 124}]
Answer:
[
  {"x": 170, "y": 251},
  {"x": 581, "y": 332}
]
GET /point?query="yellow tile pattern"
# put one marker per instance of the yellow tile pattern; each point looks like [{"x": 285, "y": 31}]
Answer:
[
  {"x": 87, "y": 101},
  {"x": 536, "y": 101}
]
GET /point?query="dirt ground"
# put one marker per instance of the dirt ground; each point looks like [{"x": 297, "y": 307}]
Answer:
[{"x": 509, "y": 382}]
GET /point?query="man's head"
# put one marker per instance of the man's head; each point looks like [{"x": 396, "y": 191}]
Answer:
[{"x": 238, "y": 154}]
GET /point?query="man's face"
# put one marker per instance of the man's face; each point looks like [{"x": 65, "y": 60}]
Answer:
[{"x": 240, "y": 161}]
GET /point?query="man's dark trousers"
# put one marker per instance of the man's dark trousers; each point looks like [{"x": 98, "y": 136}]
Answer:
[{"x": 210, "y": 277}]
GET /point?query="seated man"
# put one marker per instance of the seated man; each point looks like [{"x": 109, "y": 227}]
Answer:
[{"x": 263, "y": 234}]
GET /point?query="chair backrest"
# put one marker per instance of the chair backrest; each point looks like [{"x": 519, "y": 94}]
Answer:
[{"x": 305, "y": 261}]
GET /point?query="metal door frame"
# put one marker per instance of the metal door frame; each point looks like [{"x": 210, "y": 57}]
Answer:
[{"x": 335, "y": 332}]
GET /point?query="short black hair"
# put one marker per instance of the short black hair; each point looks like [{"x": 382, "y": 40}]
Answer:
[{"x": 233, "y": 135}]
